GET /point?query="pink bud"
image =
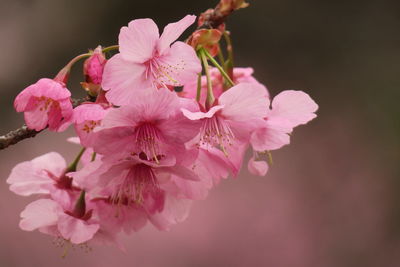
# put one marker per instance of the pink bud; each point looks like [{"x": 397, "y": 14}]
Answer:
[{"x": 93, "y": 67}]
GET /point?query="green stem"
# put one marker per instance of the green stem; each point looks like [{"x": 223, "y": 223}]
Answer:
[
  {"x": 210, "y": 95},
  {"x": 229, "y": 47},
  {"x": 93, "y": 156},
  {"x": 221, "y": 57},
  {"x": 110, "y": 48},
  {"x": 269, "y": 155},
  {"x": 215, "y": 63},
  {"x": 72, "y": 167},
  {"x": 198, "y": 93}
]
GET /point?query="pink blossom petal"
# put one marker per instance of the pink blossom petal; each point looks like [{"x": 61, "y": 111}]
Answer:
[
  {"x": 172, "y": 31},
  {"x": 259, "y": 168},
  {"x": 76, "y": 230},
  {"x": 40, "y": 213},
  {"x": 22, "y": 100},
  {"x": 245, "y": 101},
  {"x": 293, "y": 108},
  {"x": 179, "y": 65},
  {"x": 269, "y": 139},
  {"x": 175, "y": 211},
  {"x": 52, "y": 161},
  {"x": 201, "y": 115},
  {"x": 123, "y": 79},
  {"x": 51, "y": 89},
  {"x": 138, "y": 41},
  {"x": 36, "y": 120},
  {"x": 33, "y": 177}
]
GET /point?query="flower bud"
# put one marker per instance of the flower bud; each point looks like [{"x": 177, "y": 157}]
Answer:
[
  {"x": 93, "y": 70},
  {"x": 206, "y": 38}
]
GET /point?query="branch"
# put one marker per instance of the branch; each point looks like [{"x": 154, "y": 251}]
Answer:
[
  {"x": 24, "y": 132},
  {"x": 214, "y": 17}
]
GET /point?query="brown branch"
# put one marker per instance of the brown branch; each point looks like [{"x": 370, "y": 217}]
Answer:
[
  {"x": 214, "y": 17},
  {"x": 24, "y": 132}
]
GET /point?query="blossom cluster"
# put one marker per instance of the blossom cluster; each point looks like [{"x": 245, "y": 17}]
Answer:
[{"x": 158, "y": 136}]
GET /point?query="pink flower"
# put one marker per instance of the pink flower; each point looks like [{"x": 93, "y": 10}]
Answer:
[
  {"x": 152, "y": 124},
  {"x": 135, "y": 186},
  {"x": 86, "y": 118},
  {"x": 288, "y": 110},
  {"x": 42, "y": 175},
  {"x": 45, "y": 103},
  {"x": 146, "y": 60},
  {"x": 240, "y": 75},
  {"x": 73, "y": 224},
  {"x": 236, "y": 113}
]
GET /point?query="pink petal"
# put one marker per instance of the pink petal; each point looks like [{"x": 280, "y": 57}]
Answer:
[
  {"x": 51, "y": 89},
  {"x": 245, "y": 101},
  {"x": 138, "y": 41},
  {"x": 23, "y": 98},
  {"x": 293, "y": 108},
  {"x": 76, "y": 230},
  {"x": 32, "y": 177},
  {"x": 123, "y": 79},
  {"x": 40, "y": 213},
  {"x": 52, "y": 161},
  {"x": 88, "y": 112},
  {"x": 201, "y": 115},
  {"x": 172, "y": 32},
  {"x": 175, "y": 211},
  {"x": 259, "y": 168},
  {"x": 269, "y": 139},
  {"x": 181, "y": 172},
  {"x": 36, "y": 119},
  {"x": 179, "y": 65}
]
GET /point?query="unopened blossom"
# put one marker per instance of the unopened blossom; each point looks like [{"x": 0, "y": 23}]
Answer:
[
  {"x": 233, "y": 116},
  {"x": 153, "y": 124},
  {"x": 240, "y": 75},
  {"x": 148, "y": 60},
  {"x": 288, "y": 110},
  {"x": 67, "y": 220},
  {"x": 93, "y": 70},
  {"x": 206, "y": 38},
  {"x": 86, "y": 118},
  {"x": 45, "y": 103}
]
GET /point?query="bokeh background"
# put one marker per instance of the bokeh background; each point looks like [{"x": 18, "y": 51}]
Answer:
[{"x": 331, "y": 198}]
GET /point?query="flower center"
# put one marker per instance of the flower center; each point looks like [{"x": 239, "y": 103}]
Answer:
[
  {"x": 148, "y": 140},
  {"x": 89, "y": 126},
  {"x": 163, "y": 74},
  {"x": 216, "y": 132},
  {"x": 139, "y": 182},
  {"x": 45, "y": 103}
]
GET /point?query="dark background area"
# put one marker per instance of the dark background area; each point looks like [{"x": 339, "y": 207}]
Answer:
[{"x": 332, "y": 197}]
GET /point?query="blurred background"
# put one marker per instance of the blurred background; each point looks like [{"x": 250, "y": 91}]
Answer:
[{"x": 331, "y": 198}]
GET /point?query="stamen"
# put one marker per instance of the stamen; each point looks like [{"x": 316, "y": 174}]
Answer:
[
  {"x": 216, "y": 132},
  {"x": 148, "y": 138},
  {"x": 139, "y": 181}
]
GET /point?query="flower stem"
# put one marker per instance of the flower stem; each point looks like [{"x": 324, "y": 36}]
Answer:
[
  {"x": 74, "y": 164},
  {"x": 210, "y": 95},
  {"x": 198, "y": 93},
  {"x": 229, "y": 48},
  {"x": 110, "y": 48},
  {"x": 221, "y": 57},
  {"x": 215, "y": 63},
  {"x": 93, "y": 156}
]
